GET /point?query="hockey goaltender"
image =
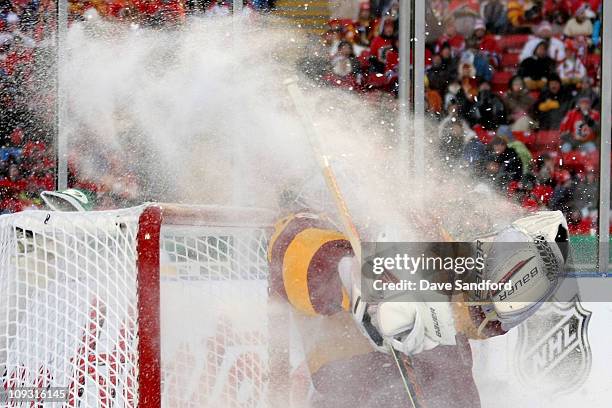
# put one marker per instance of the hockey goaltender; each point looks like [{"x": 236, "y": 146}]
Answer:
[{"x": 350, "y": 344}]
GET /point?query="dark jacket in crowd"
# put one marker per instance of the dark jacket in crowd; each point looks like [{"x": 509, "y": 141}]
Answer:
[
  {"x": 489, "y": 111},
  {"x": 516, "y": 102},
  {"x": 537, "y": 68},
  {"x": 511, "y": 166},
  {"x": 441, "y": 75},
  {"x": 550, "y": 116}
]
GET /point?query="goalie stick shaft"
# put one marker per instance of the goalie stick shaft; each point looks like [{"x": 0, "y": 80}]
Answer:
[
  {"x": 323, "y": 161},
  {"x": 402, "y": 361},
  {"x": 404, "y": 366}
]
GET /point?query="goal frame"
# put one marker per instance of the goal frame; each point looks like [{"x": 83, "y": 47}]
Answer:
[{"x": 148, "y": 278}]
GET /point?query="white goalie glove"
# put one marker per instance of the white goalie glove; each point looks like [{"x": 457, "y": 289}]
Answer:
[
  {"x": 534, "y": 267},
  {"x": 409, "y": 327},
  {"x": 413, "y": 327},
  {"x": 533, "y": 262}
]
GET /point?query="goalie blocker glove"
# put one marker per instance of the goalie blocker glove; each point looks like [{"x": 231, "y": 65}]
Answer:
[
  {"x": 531, "y": 255},
  {"x": 535, "y": 257}
]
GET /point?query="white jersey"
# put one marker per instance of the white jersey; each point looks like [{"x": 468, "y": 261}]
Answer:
[{"x": 556, "y": 48}]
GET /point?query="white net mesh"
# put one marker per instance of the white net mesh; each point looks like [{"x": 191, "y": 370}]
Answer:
[{"x": 68, "y": 315}]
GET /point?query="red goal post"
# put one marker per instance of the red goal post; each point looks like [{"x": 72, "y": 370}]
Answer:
[{"x": 160, "y": 304}]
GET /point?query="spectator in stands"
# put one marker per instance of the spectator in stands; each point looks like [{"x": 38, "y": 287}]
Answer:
[
  {"x": 587, "y": 191},
  {"x": 564, "y": 191},
  {"x": 475, "y": 64},
  {"x": 365, "y": 25},
  {"x": 571, "y": 70},
  {"x": 219, "y": 8},
  {"x": 382, "y": 47},
  {"x": 552, "y": 105},
  {"x": 391, "y": 13},
  {"x": 439, "y": 9},
  {"x": 345, "y": 67},
  {"x": 13, "y": 26},
  {"x": 518, "y": 104},
  {"x": 536, "y": 69},
  {"x": 580, "y": 24},
  {"x": 451, "y": 143},
  {"x": 545, "y": 169},
  {"x": 474, "y": 152},
  {"x": 383, "y": 40},
  {"x": 557, "y": 10},
  {"x": 451, "y": 94},
  {"x": 520, "y": 148},
  {"x": 442, "y": 71},
  {"x": 523, "y": 13},
  {"x": 596, "y": 36},
  {"x": 585, "y": 89},
  {"x": 580, "y": 126},
  {"x": 12, "y": 114},
  {"x": 433, "y": 100},
  {"x": 493, "y": 13},
  {"x": 504, "y": 162},
  {"x": 485, "y": 44},
  {"x": 6, "y": 42},
  {"x": 451, "y": 37},
  {"x": 454, "y": 117},
  {"x": 556, "y": 48},
  {"x": 521, "y": 191},
  {"x": 464, "y": 14},
  {"x": 488, "y": 110},
  {"x": 466, "y": 94},
  {"x": 577, "y": 224},
  {"x": 332, "y": 37},
  {"x": 12, "y": 185}
]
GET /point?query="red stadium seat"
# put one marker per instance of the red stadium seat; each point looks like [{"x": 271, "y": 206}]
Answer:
[
  {"x": 535, "y": 95},
  {"x": 572, "y": 160},
  {"x": 542, "y": 193},
  {"x": 530, "y": 204},
  {"x": 513, "y": 42},
  {"x": 553, "y": 153},
  {"x": 364, "y": 60},
  {"x": 526, "y": 138},
  {"x": 500, "y": 80},
  {"x": 580, "y": 161},
  {"x": 562, "y": 176},
  {"x": 548, "y": 140},
  {"x": 510, "y": 62},
  {"x": 485, "y": 136},
  {"x": 512, "y": 187},
  {"x": 591, "y": 161},
  {"x": 593, "y": 61}
]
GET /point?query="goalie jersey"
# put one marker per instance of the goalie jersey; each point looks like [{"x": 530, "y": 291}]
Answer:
[
  {"x": 346, "y": 371},
  {"x": 303, "y": 254}
]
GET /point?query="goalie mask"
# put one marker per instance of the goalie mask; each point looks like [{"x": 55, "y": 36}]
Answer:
[{"x": 69, "y": 200}]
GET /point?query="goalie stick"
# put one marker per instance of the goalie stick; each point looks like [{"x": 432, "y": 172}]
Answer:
[{"x": 402, "y": 361}]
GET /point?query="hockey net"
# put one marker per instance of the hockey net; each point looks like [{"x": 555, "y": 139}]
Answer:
[{"x": 149, "y": 306}]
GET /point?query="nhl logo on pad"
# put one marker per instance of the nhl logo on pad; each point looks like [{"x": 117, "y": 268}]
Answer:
[{"x": 553, "y": 347}]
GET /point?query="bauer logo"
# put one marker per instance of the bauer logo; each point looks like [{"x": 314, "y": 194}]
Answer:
[{"x": 553, "y": 346}]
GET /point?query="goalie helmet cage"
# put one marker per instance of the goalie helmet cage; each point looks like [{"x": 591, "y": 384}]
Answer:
[{"x": 156, "y": 305}]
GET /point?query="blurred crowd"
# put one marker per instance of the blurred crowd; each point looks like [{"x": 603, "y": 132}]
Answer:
[
  {"x": 28, "y": 122},
  {"x": 26, "y": 162},
  {"x": 512, "y": 84}
]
